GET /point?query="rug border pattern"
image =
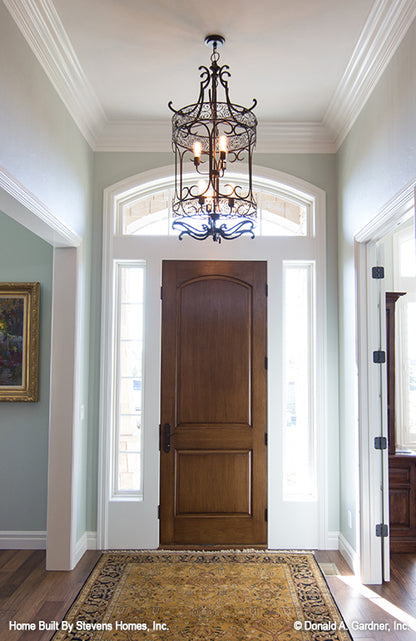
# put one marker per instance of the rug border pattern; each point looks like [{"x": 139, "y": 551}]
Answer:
[{"x": 303, "y": 567}]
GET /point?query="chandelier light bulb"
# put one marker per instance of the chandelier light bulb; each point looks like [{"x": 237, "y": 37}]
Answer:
[
  {"x": 222, "y": 143},
  {"x": 197, "y": 152}
]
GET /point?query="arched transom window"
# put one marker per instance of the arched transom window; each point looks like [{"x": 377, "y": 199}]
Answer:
[{"x": 278, "y": 214}]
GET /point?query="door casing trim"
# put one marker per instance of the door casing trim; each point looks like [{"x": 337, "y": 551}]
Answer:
[
  {"x": 112, "y": 244},
  {"x": 396, "y": 211}
]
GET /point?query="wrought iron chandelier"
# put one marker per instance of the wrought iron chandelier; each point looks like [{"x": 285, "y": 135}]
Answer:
[{"x": 208, "y": 136}]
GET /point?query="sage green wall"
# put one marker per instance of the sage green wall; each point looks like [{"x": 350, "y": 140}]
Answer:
[
  {"x": 320, "y": 170},
  {"x": 376, "y": 161},
  {"x": 24, "y": 427}
]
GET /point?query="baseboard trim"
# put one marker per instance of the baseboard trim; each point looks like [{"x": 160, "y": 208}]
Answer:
[
  {"x": 349, "y": 554},
  {"x": 88, "y": 541},
  {"x": 36, "y": 540},
  {"x": 332, "y": 541},
  {"x": 22, "y": 540}
]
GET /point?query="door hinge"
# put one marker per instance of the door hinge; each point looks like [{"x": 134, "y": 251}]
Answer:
[
  {"x": 265, "y": 438},
  {"x": 379, "y": 356},
  {"x": 382, "y": 530},
  {"x": 158, "y": 511},
  {"x": 266, "y": 362},
  {"x": 161, "y": 293},
  {"x": 160, "y": 437},
  {"x": 267, "y": 289},
  {"x": 380, "y": 443},
  {"x": 265, "y": 514},
  {"x": 377, "y": 272}
]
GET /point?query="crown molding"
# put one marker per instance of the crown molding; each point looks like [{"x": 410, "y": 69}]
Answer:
[
  {"x": 35, "y": 215},
  {"x": 294, "y": 137},
  {"x": 44, "y": 32},
  {"x": 273, "y": 137},
  {"x": 398, "y": 209},
  {"x": 383, "y": 32},
  {"x": 135, "y": 135}
]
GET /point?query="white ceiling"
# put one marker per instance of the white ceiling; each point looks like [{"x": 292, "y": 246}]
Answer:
[
  {"x": 311, "y": 64},
  {"x": 289, "y": 54}
]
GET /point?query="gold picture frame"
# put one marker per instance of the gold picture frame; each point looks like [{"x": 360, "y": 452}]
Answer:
[{"x": 19, "y": 341}]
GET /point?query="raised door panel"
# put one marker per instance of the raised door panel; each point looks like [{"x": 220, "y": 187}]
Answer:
[
  {"x": 214, "y": 351},
  {"x": 213, "y": 482},
  {"x": 400, "y": 509},
  {"x": 402, "y": 480}
]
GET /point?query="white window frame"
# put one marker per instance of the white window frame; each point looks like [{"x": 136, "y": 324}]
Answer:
[
  {"x": 312, "y": 431},
  {"x": 153, "y": 250},
  {"x": 260, "y": 185},
  {"x": 116, "y": 492}
]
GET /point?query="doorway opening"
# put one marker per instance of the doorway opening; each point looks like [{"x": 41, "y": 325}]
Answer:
[
  {"x": 371, "y": 254},
  {"x": 400, "y": 264}
]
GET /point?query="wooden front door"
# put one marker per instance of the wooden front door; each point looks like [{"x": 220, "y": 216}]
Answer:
[{"x": 213, "y": 403}]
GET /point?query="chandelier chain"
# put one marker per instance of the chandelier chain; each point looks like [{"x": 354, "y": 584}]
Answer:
[{"x": 215, "y": 56}]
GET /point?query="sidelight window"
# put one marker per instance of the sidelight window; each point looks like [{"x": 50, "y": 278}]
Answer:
[
  {"x": 128, "y": 377},
  {"x": 299, "y": 434}
]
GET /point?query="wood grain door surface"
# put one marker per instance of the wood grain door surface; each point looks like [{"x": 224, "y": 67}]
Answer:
[{"x": 214, "y": 402}]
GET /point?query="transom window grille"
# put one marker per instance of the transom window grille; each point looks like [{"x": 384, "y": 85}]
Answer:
[{"x": 277, "y": 215}]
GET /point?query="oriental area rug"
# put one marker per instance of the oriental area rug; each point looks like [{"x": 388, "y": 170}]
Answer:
[{"x": 204, "y": 596}]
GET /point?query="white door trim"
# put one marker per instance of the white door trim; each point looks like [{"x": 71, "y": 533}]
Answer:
[
  {"x": 371, "y": 415},
  {"x": 152, "y": 250},
  {"x": 25, "y": 208}
]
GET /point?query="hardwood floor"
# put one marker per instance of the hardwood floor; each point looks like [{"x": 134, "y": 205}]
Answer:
[
  {"x": 30, "y": 594},
  {"x": 392, "y": 604}
]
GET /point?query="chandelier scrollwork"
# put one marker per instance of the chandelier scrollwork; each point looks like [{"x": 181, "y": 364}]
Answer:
[{"x": 207, "y": 137}]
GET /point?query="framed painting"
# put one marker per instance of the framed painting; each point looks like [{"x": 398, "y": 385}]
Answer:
[{"x": 19, "y": 341}]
